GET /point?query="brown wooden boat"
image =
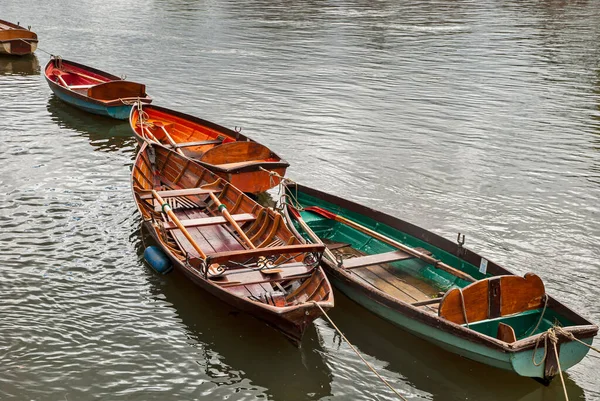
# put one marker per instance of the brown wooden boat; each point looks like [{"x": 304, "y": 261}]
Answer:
[
  {"x": 229, "y": 245},
  {"x": 16, "y": 40},
  {"x": 243, "y": 162}
]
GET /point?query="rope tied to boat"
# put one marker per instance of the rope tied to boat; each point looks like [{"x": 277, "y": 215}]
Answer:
[
  {"x": 131, "y": 102},
  {"x": 272, "y": 176},
  {"x": 551, "y": 334},
  {"x": 287, "y": 199},
  {"x": 541, "y": 316},
  {"x": 358, "y": 353}
]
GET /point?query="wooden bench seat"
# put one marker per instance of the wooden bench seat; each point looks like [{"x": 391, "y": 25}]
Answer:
[
  {"x": 242, "y": 255},
  {"x": 197, "y": 143},
  {"x": 81, "y": 86},
  {"x": 376, "y": 259},
  {"x": 235, "y": 277},
  {"x": 179, "y": 192},
  {"x": 210, "y": 221}
]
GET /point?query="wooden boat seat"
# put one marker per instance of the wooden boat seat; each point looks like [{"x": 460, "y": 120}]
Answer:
[
  {"x": 492, "y": 298},
  {"x": 117, "y": 90},
  {"x": 376, "y": 259},
  {"x": 236, "y": 152},
  {"x": 242, "y": 255},
  {"x": 197, "y": 143},
  {"x": 80, "y": 86},
  {"x": 210, "y": 221},
  {"x": 235, "y": 277},
  {"x": 179, "y": 192}
]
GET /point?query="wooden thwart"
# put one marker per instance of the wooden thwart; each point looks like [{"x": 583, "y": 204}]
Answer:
[
  {"x": 210, "y": 221},
  {"x": 236, "y": 256},
  {"x": 370, "y": 260},
  {"x": 197, "y": 143},
  {"x": 179, "y": 192}
]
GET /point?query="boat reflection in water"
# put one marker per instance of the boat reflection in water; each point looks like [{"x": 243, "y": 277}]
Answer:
[
  {"x": 234, "y": 347},
  {"x": 104, "y": 134},
  {"x": 15, "y": 65}
]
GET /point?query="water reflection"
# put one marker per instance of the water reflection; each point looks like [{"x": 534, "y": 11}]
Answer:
[
  {"x": 25, "y": 65},
  {"x": 428, "y": 368},
  {"x": 237, "y": 346},
  {"x": 105, "y": 134}
]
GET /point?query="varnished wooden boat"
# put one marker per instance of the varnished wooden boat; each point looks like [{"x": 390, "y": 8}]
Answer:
[
  {"x": 439, "y": 290},
  {"x": 93, "y": 90},
  {"x": 228, "y": 244},
  {"x": 16, "y": 40},
  {"x": 238, "y": 159}
]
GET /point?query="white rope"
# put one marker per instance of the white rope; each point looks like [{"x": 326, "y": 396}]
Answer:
[{"x": 358, "y": 353}]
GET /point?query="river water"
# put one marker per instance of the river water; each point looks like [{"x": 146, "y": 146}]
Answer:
[{"x": 479, "y": 117}]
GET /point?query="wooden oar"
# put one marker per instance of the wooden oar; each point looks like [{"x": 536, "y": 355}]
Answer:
[
  {"x": 147, "y": 131},
  {"x": 223, "y": 210},
  {"x": 62, "y": 81},
  {"x": 312, "y": 234},
  {"x": 438, "y": 264},
  {"x": 171, "y": 141},
  {"x": 167, "y": 209}
]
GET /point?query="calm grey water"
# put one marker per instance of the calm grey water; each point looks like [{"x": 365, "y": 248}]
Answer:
[{"x": 475, "y": 116}]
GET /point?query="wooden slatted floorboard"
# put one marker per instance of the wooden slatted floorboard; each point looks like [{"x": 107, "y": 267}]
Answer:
[
  {"x": 391, "y": 280},
  {"x": 216, "y": 239}
]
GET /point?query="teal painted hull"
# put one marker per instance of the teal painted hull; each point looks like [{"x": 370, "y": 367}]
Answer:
[
  {"x": 118, "y": 112},
  {"x": 519, "y": 362}
]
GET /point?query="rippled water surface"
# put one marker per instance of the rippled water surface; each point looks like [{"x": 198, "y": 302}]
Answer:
[{"x": 475, "y": 116}]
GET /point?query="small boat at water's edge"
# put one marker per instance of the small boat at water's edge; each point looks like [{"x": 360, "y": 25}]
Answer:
[
  {"x": 439, "y": 290},
  {"x": 227, "y": 244},
  {"x": 238, "y": 159},
  {"x": 16, "y": 40},
  {"x": 93, "y": 90}
]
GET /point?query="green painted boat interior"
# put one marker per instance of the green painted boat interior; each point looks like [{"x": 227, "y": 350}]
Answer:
[
  {"x": 330, "y": 231},
  {"x": 524, "y": 323},
  {"x": 336, "y": 232}
]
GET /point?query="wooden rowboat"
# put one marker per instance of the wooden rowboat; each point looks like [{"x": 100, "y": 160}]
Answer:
[
  {"x": 93, "y": 90},
  {"x": 16, "y": 40},
  {"x": 440, "y": 291},
  {"x": 227, "y": 244},
  {"x": 243, "y": 162}
]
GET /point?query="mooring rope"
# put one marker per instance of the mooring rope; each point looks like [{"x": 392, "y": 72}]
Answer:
[
  {"x": 541, "y": 316},
  {"x": 37, "y": 48},
  {"x": 552, "y": 335},
  {"x": 358, "y": 353}
]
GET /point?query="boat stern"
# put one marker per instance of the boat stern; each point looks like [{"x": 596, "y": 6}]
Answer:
[{"x": 540, "y": 361}]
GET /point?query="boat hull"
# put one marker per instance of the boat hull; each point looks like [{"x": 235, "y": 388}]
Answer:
[
  {"x": 16, "y": 40},
  {"x": 117, "y": 112},
  {"x": 517, "y": 356},
  {"x": 519, "y": 362},
  {"x": 18, "y": 47}
]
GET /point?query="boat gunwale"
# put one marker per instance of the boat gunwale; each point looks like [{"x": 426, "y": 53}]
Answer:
[{"x": 580, "y": 331}]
